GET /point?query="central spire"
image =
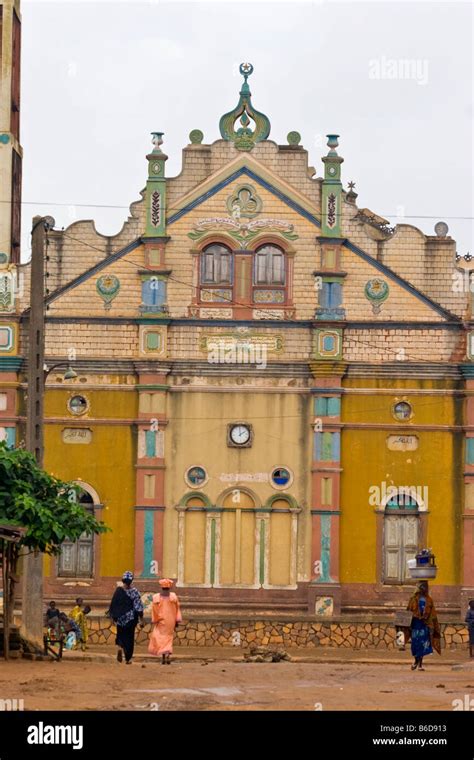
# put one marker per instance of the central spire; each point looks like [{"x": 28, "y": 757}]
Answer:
[{"x": 244, "y": 138}]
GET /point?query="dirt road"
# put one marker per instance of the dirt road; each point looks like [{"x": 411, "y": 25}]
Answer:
[{"x": 77, "y": 684}]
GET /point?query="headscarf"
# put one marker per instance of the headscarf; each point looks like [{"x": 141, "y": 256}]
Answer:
[
  {"x": 165, "y": 583},
  {"x": 127, "y": 576}
]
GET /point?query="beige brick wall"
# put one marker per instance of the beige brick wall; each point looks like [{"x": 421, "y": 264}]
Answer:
[{"x": 426, "y": 262}]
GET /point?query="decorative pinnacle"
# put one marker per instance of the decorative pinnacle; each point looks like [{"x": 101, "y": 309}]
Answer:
[
  {"x": 157, "y": 140},
  {"x": 246, "y": 69},
  {"x": 332, "y": 143},
  {"x": 244, "y": 137},
  {"x": 351, "y": 185}
]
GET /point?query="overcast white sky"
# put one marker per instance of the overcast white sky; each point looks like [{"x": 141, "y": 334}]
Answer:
[{"x": 98, "y": 77}]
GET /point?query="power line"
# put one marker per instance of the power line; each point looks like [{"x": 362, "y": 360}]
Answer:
[
  {"x": 361, "y": 341},
  {"x": 176, "y": 208}
]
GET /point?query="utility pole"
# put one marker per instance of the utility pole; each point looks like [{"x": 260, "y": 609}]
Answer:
[{"x": 32, "y": 590}]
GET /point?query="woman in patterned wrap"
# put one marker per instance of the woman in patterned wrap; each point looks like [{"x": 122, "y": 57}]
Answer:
[
  {"x": 126, "y": 610},
  {"x": 425, "y": 630}
]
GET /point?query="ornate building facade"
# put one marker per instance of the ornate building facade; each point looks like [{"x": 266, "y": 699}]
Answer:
[{"x": 273, "y": 401}]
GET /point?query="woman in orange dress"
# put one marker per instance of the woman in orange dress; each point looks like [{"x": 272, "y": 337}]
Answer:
[{"x": 165, "y": 616}]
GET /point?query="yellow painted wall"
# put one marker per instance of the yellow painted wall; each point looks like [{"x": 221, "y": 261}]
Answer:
[
  {"x": 107, "y": 464},
  {"x": 196, "y": 435},
  {"x": 367, "y": 462}
]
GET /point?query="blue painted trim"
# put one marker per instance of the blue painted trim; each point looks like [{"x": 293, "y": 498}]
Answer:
[
  {"x": 94, "y": 270},
  {"x": 150, "y": 443},
  {"x": 326, "y": 390},
  {"x": 334, "y": 406},
  {"x": 244, "y": 170},
  {"x": 400, "y": 281},
  {"x": 9, "y": 363},
  {"x": 148, "y": 509},
  {"x": 10, "y": 433},
  {"x": 325, "y": 549},
  {"x": 148, "y": 538},
  {"x": 469, "y": 450},
  {"x": 313, "y": 220}
]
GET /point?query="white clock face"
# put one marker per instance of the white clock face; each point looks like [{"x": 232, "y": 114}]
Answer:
[{"x": 240, "y": 434}]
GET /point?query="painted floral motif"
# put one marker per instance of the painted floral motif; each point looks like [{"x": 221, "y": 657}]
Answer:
[
  {"x": 108, "y": 286},
  {"x": 216, "y": 295},
  {"x": 331, "y": 210},
  {"x": 242, "y": 232},
  {"x": 6, "y": 292},
  {"x": 155, "y": 211},
  {"x": 269, "y": 296}
]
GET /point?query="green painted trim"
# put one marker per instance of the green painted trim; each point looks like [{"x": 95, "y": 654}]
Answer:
[
  {"x": 325, "y": 512},
  {"x": 194, "y": 495},
  {"x": 281, "y": 496},
  {"x": 151, "y": 321},
  {"x": 262, "y": 553},
  {"x": 156, "y": 387},
  {"x": 213, "y": 552},
  {"x": 148, "y": 544},
  {"x": 9, "y": 363}
]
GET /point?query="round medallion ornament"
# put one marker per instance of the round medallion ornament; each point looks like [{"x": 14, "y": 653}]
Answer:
[
  {"x": 441, "y": 229},
  {"x": 196, "y": 137},
  {"x": 376, "y": 290},
  {"x": 332, "y": 170},
  {"x": 3, "y": 258},
  {"x": 294, "y": 138},
  {"x": 108, "y": 287}
]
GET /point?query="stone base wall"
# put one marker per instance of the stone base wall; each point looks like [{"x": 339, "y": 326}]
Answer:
[{"x": 307, "y": 634}]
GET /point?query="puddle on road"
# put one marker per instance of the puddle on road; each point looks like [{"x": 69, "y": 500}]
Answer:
[{"x": 218, "y": 691}]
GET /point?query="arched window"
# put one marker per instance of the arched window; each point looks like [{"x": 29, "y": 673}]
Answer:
[
  {"x": 400, "y": 536},
  {"x": 269, "y": 275},
  {"x": 216, "y": 274},
  {"x": 77, "y": 557},
  {"x": 269, "y": 266}
]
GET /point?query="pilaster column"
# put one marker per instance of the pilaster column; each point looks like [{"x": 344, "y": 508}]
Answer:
[
  {"x": 150, "y": 475},
  {"x": 326, "y": 473}
]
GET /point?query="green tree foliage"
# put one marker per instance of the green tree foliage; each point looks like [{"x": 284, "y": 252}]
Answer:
[{"x": 47, "y": 507}]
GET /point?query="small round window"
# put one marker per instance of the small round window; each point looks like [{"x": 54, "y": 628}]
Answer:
[
  {"x": 281, "y": 477},
  {"x": 78, "y": 405},
  {"x": 402, "y": 410},
  {"x": 196, "y": 476}
]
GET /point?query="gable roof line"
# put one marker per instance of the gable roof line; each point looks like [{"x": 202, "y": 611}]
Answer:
[
  {"x": 256, "y": 178},
  {"x": 402, "y": 282},
  {"x": 289, "y": 202},
  {"x": 90, "y": 272},
  {"x": 315, "y": 221}
]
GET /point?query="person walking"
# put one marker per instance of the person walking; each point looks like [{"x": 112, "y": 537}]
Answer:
[
  {"x": 470, "y": 627},
  {"x": 126, "y": 610},
  {"x": 425, "y": 630},
  {"x": 165, "y": 616}
]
